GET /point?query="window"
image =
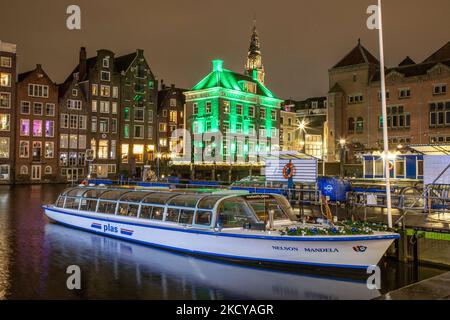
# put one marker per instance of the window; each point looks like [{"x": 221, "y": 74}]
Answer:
[
  {"x": 139, "y": 115},
  {"x": 112, "y": 152},
  {"x": 150, "y": 132},
  {"x": 48, "y": 170},
  {"x": 404, "y": 93},
  {"x": 73, "y": 141},
  {"x": 23, "y": 169},
  {"x": 173, "y": 102},
  {"x": 50, "y": 109},
  {"x": 195, "y": 108},
  {"x": 379, "y": 95},
  {"x": 163, "y": 142},
  {"x": 239, "y": 109},
  {"x": 164, "y": 113},
  {"x": 114, "y": 125},
  {"x": 5, "y": 79},
  {"x": 208, "y": 107},
  {"x": 36, "y": 151},
  {"x": 73, "y": 121},
  {"x": 124, "y": 152},
  {"x": 25, "y": 107},
  {"x": 114, "y": 108},
  {"x": 226, "y": 107},
  {"x": 139, "y": 132},
  {"x": 24, "y": 127},
  {"x": 103, "y": 126},
  {"x": 74, "y": 104},
  {"x": 355, "y": 98},
  {"x": 162, "y": 127},
  {"x": 173, "y": 116},
  {"x": 397, "y": 118},
  {"x": 4, "y": 147},
  {"x": 24, "y": 149},
  {"x": 440, "y": 114},
  {"x": 111, "y": 168},
  {"x": 94, "y": 89},
  {"x": 262, "y": 113},
  {"x": 351, "y": 124},
  {"x": 64, "y": 141},
  {"x": 103, "y": 149},
  {"x": 94, "y": 147},
  {"x": 37, "y": 128},
  {"x": 4, "y": 122},
  {"x": 5, "y": 62},
  {"x": 126, "y": 131},
  {"x": 138, "y": 152},
  {"x": 439, "y": 89},
  {"x": 251, "y": 129},
  {"x": 82, "y": 141},
  {"x": 49, "y": 128},
  {"x": 94, "y": 105},
  {"x": 273, "y": 115},
  {"x": 150, "y": 116},
  {"x": 105, "y": 75},
  {"x": 238, "y": 127},
  {"x": 49, "y": 149},
  {"x": 105, "y": 62},
  {"x": 37, "y": 109},
  {"x": 104, "y": 106},
  {"x": 82, "y": 121},
  {"x": 64, "y": 120},
  {"x": 37, "y": 90},
  {"x": 94, "y": 124},
  {"x": 251, "y": 111},
  {"x": 105, "y": 91},
  {"x": 226, "y": 126},
  {"x": 359, "y": 125},
  {"x": 5, "y": 100},
  {"x": 74, "y": 92}
]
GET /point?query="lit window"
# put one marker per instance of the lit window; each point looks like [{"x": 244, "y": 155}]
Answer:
[
  {"x": 162, "y": 127},
  {"x": 105, "y": 91},
  {"x": 5, "y": 100},
  {"x": 5, "y": 79},
  {"x": 114, "y": 108},
  {"x": 94, "y": 89},
  {"x": 4, "y": 122},
  {"x": 138, "y": 152},
  {"x": 49, "y": 109},
  {"x": 49, "y": 149},
  {"x": 124, "y": 153},
  {"x": 115, "y": 92},
  {"x": 6, "y": 62},
  {"x": 103, "y": 149},
  {"x": 103, "y": 125},
  {"x": 64, "y": 141},
  {"x": 24, "y": 149},
  {"x": 49, "y": 129},
  {"x": 37, "y": 128},
  {"x": 104, "y": 106},
  {"x": 4, "y": 147}
]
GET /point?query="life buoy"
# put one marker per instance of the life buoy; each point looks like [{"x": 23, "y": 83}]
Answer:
[
  {"x": 84, "y": 182},
  {"x": 288, "y": 170},
  {"x": 391, "y": 165}
]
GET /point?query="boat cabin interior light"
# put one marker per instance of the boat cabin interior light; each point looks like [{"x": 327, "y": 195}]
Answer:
[{"x": 205, "y": 210}]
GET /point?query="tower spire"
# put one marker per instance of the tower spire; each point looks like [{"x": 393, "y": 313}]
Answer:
[{"x": 254, "y": 65}]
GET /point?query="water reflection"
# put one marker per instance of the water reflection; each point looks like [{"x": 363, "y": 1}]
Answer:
[{"x": 140, "y": 270}]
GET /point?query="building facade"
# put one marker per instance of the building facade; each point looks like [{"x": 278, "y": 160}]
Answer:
[
  {"x": 74, "y": 132},
  {"x": 235, "y": 115},
  {"x": 171, "y": 103},
  {"x": 418, "y": 102},
  {"x": 8, "y": 76},
  {"x": 138, "y": 107},
  {"x": 37, "y": 128},
  {"x": 289, "y": 130}
]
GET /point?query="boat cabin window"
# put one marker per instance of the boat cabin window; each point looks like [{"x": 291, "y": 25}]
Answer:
[
  {"x": 185, "y": 200},
  {"x": 60, "y": 201},
  {"x": 209, "y": 202},
  {"x": 186, "y": 216},
  {"x": 72, "y": 203},
  {"x": 262, "y": 208},
  {"x": 88, "y": 205},
  {"x": 172, "y": 214},
  {"x": 107, "y": 207},
  {"x": 128, "y": 209},
  {"x": 234, "y": 213},
  {"x": 151, "y": 212},
  {"x": 203, "y": 218},
  {"x": 158, "y": 197},
  {"x": 112, "y": 194}
]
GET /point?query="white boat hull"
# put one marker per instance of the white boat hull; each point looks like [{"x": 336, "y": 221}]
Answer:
[{"x": 328, "y": 251}]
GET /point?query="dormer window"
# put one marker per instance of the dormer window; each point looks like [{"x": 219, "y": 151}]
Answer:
[
  {"x": 439, "y": 89},
  {"x": 106, "y": 62},
  {"x": 249, "y": 86}
]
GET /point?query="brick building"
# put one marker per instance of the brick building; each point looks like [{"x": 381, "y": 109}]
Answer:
[
  {"x": 8, "y": 76},
  {"x": 171, "y": 102},
  {"x": 418, "y": 102},
  {"x": 289, "y": 131},
  {"x": 36, "y": 157},
  {"x": 138, "y": 105}
]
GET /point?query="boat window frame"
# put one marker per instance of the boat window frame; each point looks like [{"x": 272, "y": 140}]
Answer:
[{"x": 216, "y": 210}]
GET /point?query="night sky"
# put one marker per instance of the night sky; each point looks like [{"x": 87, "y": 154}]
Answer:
[{"x": 301, "y": 39}]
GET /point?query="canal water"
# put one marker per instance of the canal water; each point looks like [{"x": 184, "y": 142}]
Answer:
[{"x": 35, "y": 254}]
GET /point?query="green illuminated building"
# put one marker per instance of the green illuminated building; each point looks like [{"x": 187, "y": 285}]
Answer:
[{"x": 232, "y": 118}]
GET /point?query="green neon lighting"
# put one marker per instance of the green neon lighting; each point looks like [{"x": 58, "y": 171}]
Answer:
[
  {"x": 126, "y": 131},
  {"x": 137, "y": 97},
  {"x": 217, "y": 65}
]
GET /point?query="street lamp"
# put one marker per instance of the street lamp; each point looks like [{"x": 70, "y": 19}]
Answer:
[
  {"x": 302, "y": 127},
  {"x": 342, "y": 143}
]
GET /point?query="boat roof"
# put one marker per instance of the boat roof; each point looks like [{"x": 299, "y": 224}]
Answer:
[{"x": 178, "y": 198}]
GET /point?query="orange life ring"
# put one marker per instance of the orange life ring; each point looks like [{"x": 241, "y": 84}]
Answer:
[
  {"x": 291, "y": 168},
  {"x": 84, "y": 182},
  {"x": 391, "y": 165}
]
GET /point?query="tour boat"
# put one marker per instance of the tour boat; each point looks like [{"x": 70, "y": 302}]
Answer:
[{"x": 244, "y": 227}]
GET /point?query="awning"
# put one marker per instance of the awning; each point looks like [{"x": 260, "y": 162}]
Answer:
[{"x": 432, "y": 149}]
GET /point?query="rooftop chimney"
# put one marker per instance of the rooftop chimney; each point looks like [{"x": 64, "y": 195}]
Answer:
[
  {"x": 217, "y": 65},
  {"x": 82, "y": 68}
]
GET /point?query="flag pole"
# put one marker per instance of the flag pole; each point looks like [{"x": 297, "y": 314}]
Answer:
[{"x": 384, "y": 115}]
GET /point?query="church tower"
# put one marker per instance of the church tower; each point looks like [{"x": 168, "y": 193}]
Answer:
[{"x": 254, "y": 67}]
